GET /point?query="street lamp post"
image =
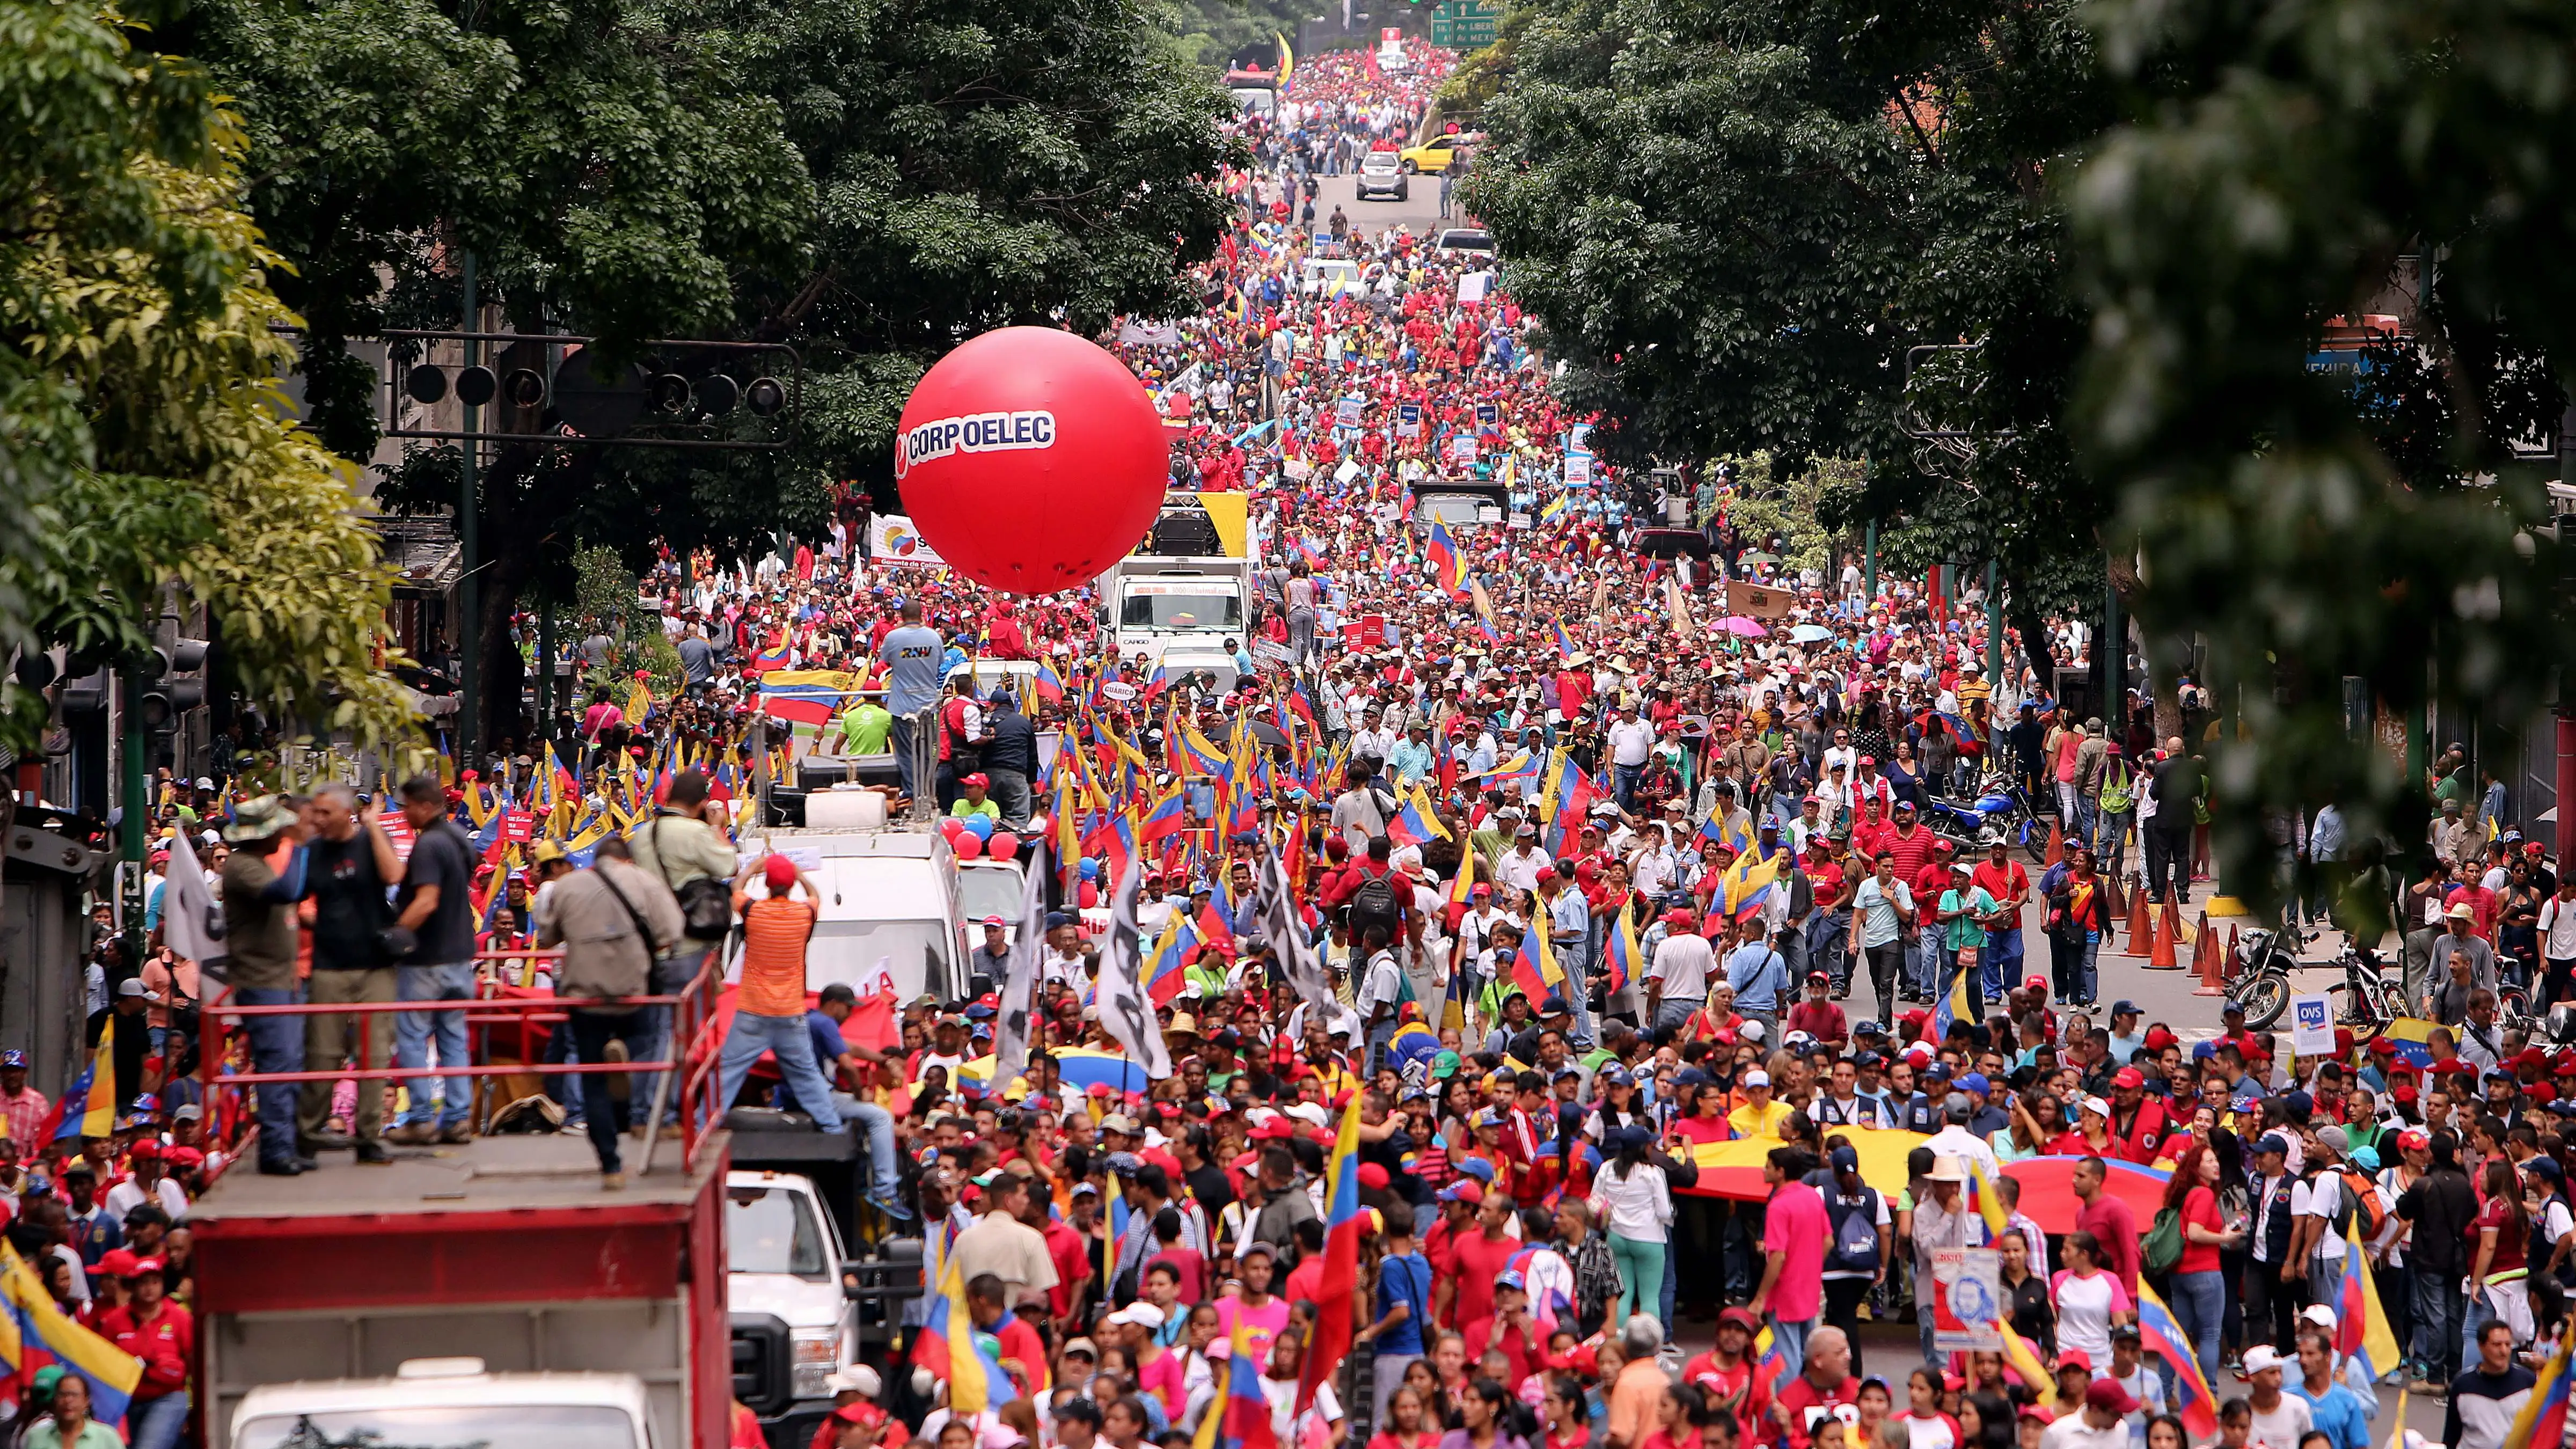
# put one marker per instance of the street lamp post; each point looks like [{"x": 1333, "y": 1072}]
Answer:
[{"x": 469, "y": 621}]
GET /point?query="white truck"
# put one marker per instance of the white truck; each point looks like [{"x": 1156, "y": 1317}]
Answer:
[
  {"x": 783, "y": 1247},
  {"x": 1184, "y": 598},
  {"x": 891, "y": 902},
  {"x": 453, "y": 1401}
]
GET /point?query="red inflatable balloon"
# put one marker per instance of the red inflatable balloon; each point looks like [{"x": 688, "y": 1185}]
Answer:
[
  {"x": 1003, "y": 845},
  {"x": 966, "y": 846},
  {"x": 1031, "y": 460}
]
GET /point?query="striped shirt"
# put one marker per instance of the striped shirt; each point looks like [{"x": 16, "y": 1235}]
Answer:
[{"x": 774, "y": 932}]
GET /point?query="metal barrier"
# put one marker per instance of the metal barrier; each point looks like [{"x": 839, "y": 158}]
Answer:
[{"x": 693, "y": 1026}]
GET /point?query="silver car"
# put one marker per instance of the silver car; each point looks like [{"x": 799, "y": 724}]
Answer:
[{"x": 1382, "y": 176}]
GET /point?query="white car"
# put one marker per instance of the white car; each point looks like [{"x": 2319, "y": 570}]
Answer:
[
  {"x": 1390, "y": 58},
  {"x": 1382, "y": 175},
  {"x": 1331, "y": 277}
]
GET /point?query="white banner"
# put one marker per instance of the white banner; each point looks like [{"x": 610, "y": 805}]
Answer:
[
  {"x": 1019, "y": 985},
  {"x": 893, "y": 540},
  {"x": 190, "y": 921},
  {"x": 1124, "y": 1012}
]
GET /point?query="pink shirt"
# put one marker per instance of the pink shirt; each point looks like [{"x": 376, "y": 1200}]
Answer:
[
  {"x": 1794, "y": 1225},
  {"x": 1267, "y": 1322}
]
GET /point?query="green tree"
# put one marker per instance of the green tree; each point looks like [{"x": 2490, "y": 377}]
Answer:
[
  {"x": 2309, "y": 528},
  {"x": 870, "y": 184},
  {"x": 143, "y": 438},
  {"x": 1735, "y": 218}
]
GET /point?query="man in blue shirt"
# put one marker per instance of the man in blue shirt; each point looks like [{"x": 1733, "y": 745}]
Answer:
[
  {"x": 1760, "y": 976},
  {"x": 835, "y": 1054},
  {"x": 2333, "y": 1408},
  {"x": 1403, "y": 1308},
  {"x": 912, "y": 655}
]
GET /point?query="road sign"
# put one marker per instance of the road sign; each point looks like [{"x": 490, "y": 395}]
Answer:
[{"x": 1466, "y": 24}]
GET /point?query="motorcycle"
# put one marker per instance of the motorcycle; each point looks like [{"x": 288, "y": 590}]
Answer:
[
  {"x": 2000, "y": 806},
  {"x": 2261, "y": 983}
]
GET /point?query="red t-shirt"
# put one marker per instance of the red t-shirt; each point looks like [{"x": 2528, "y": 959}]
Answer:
[
  {"x": 2200, "y": 1206},
  {"x": 2496, "y": 1214},
  {"x": 1806, "y": 1404},
  {"x": 1523, "y": 1355},
  {"x": 1480, "y": 1263},
  {"x": 2001, "y": 882},
  {"x": 1723, "y": 1384},
  {"x": 2111, "y": 1223}
]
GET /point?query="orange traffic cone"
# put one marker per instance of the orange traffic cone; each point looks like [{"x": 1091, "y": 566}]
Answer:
[
  {"x": 2213, "y": 965},
  {"x": 2200, "y": 936},
  {"x": 2056, "y": 841},
  {"x": 2141, "y": 930},
  {"x": 2163, "y": 929}
]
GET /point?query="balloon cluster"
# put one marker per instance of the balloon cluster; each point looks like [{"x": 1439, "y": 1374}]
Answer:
[{"x": 976, "y": 836}]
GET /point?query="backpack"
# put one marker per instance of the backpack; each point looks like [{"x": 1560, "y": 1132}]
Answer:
[
  {"x": 2162, "y": 1247},
  {"x": 1374, "y": 904},
  {"x": 2360, "y": 1196},
  {"x": 1855, "y": 1224}
]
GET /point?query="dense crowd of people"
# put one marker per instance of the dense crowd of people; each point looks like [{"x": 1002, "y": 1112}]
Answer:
[{"x": 1536, "y": 869}]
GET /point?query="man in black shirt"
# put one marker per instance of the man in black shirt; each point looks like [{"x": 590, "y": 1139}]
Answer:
[
  {"x": 435, "y": 920},
  {"x": 2443, "y": 1210},
  {"x": 348, "y": 867},
  {"x": 1010, "y": 757}
]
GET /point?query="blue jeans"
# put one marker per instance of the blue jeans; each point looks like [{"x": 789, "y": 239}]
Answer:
[
  {"x": 653, "y": 1040},
  {"x": 413, "y": 1031},
  {"x": 2200, "y": 1306},
  {"x": 1624, "y": 780},
  {"x": 878, "y": 1123},
  {"x": 2088, "y": 976},
  {"x": 785, "y": 1036},
  {"x": 158, "y": 1423},
  {"x": 2003, "y": 956},
  {"x": 1791, "y": 1340},
  {"x": 276, "y": 1045},
  {"x": 2437, "y": 1306}
]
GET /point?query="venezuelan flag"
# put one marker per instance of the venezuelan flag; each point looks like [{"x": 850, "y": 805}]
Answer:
[
  {"x": 2543, "y": 1420},
  {"x": 2162, "y": 1334},
  {"x": 1534, "y": 970},
  {"x": 1166, "y": 819},
  {"x": 2362, "y": 1329},
  {"x": 1342, "y": 1224},
  {"x": 1446, "y": 565},
  {"x": 2034, "y": 1375},
  {"x": 1555, "y": 508},
  {"x": 1416, "y": 823},
  {"x": 1564, "y": 645},
  {"x": 44, "y": 1335},
  {"x": 1164, "y": 975},
  {"x": 1958, "y": 996},
  {"x": 1050, "y": 684},
  {"x": 1625, "y": 966},
  {"x": 1747, "y": 882},
  {"x": 949, "y": 1348},
  {"x": 88, "y": 1105},
  {"x": 1988, "y": 1202},
  {"x": 1240, "y": 1418}
]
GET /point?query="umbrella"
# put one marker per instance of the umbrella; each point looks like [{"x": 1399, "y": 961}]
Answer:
[
  {"x": 1268, "y": 733},
  {"x": 1084, "y": 1067},
  {"x": 1741, "y": 627},
  {"x": 2048, "y": 1189},
  {"x": 1810, "y": 633},
  {"x": 1757, "y": 556},
  {"x": 1734, "y": 1169}
]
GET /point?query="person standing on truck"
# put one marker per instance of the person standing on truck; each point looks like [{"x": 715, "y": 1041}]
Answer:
[
  {"x": 769, "y": 1013},
  {"x": 435, "y": 920},
  {"x": 259, "y": 925},
  {"x": 686, "y": 846},
  {"x": 350, "y": 866},
  {"x": 911, "y": 655},
  {"x": 613, "y": 921},
  {"x": 1010, "y": 758}
]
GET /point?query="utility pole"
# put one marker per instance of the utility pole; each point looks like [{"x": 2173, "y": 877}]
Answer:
[
  {"x": 1994, "y": 630},
  {"x": 2114, "y": 649},
  {"x": 469, "y": 611},
  {"x": 1869, "y": 568},
  {"x": 134, "y": 788}
]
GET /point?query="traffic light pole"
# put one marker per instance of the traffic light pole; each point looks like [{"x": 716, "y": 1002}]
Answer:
[
  {"x": 135, "y": 784},
  {"x": 469, "y": 613}
]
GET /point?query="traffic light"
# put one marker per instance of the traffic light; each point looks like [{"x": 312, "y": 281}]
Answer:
[
  {"x": 85, "y": 695},
  {"x": 173, "y": 681}
]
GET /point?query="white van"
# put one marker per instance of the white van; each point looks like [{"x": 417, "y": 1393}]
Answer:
[{"x": 891, "y": 905}]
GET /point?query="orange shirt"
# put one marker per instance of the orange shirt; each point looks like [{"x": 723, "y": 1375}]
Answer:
[{"x": 774, "y": 932}]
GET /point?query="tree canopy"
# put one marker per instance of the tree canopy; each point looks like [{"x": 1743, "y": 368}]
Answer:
[
  {"x": 868, "y": 182},
  {"x": 143, "y": 437}
]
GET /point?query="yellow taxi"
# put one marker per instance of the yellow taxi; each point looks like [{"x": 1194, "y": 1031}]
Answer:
[{"x": 1433, "y": 156}]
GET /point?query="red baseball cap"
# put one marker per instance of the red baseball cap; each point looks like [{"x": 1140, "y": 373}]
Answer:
[{"x": 2128, "y": 1077}]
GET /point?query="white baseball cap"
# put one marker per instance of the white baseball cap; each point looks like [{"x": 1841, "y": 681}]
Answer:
[
  {"x": 1757, "y": 1078},
  {"x": 2260, "y": 1357}
]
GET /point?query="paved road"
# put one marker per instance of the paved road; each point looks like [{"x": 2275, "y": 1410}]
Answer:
[{"x": 1419, "y": 212}]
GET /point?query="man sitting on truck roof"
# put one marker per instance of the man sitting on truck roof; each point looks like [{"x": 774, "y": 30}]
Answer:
[{"x": 838, "y": 1054}]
